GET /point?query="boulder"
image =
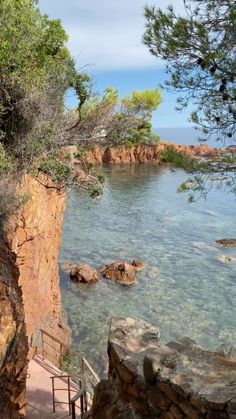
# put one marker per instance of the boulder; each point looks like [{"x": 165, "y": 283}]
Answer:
[
  {"x": 84, "y": 274},
  {"x": 138, "y": 264},
  {"x": 122, "y": 272},
  {"x": 227, "y": 242}
]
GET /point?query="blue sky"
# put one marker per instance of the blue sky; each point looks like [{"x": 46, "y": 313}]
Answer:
[{"x": 105, "y": 36}]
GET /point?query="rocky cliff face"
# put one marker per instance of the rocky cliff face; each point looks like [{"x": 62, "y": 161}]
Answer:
[
  {"x": 174, "y": 381},
  {"x": 29, "y": 288},
  {"x": 35, "y": 236},
  {"x": 145, "y": 153},
  {"x": 139, "y": 153},
  {"x": 13, "y": 341}
]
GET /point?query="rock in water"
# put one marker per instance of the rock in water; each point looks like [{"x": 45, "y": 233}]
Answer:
[
  {"x": 138, "y": 264},
  {"x": 227, "y": 259},
  {"x": 227, "y": 242},
  {"x": 84, "y": 274},
  {"x": 122, "y": 272}
]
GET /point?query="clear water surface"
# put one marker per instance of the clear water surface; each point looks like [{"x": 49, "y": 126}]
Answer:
[{"x": 184, "y": 288}]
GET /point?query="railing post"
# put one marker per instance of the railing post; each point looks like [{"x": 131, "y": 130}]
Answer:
[
  {"x": 82, "y": 403},
  {"x": 85, "y": 402},
  {"x": 72, "y": 404},
  {"x": 69, "y": 395},
  {"x": 53, "y": 396}
]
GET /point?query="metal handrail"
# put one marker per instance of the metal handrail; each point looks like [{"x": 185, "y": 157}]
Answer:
[
  {"x": 52, "y": 337},
  {"x": 82, "y": 367},
  {"x": 54, "y": 402},
  {"x": 82, "y": 395}
]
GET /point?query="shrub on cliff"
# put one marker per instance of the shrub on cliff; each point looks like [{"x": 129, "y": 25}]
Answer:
[{"x": 178, "y": 159}]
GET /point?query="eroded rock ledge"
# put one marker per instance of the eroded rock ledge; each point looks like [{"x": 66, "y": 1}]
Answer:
[{"x": 174, "y": 381}]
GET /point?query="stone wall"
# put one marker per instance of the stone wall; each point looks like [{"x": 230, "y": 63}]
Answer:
[
  {"x": 13, "y": 341},
  {"x": 174, "y": 381}
]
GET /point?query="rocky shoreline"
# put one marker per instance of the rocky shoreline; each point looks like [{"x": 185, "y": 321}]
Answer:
[{"x": 141, "y": 153}]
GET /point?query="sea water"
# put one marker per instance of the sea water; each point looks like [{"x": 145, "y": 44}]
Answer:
[{"x": 185, "y": 290}]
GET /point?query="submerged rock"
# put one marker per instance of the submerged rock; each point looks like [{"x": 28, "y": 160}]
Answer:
[
  {"x": 121, "y": 272},
  {"x": 227, "y": 242},
  {"x": 227, "y": 259},
  {"x": 84, "y": 274}
]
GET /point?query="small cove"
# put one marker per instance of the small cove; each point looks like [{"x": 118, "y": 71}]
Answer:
[{"x": 184, "y": 288}]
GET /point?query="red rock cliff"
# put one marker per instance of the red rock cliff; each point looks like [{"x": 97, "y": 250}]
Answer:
[
  {"x": 140, "y": 153},
  {"x": 35, "y": 237}
]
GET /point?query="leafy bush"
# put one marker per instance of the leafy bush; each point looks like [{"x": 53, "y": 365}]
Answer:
[
  {"x": 58, "y": 171},
  {"x": 6, "y": 164},
  {"x": 95, "y": 191},
  {"x": 101, "y": 178},
  {"x": 81, "y": 152},
  {"x": 36, "y": 69},
  {"x": 178, "y": 159}
]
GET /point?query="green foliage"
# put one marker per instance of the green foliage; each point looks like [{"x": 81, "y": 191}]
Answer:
[
  {"x": 80, "y": 152},
  {"x": 178, "y": 159},
  {"x": 95, "y": 191},
  {"x": 36, "y": 69},
  {"x": 208, "y": 174},
  {"x": 110, "y": 96},
  {"x": 199, "y": 49},
  {"x": 108, "y": 119},
  {"x": 101, "y": 178},
  {"x": 58, "y": 171},
  {"x": 6, "y": 164},
  {"x": 129, "y": 144},
  {"x": 82, "y": 84},
  {"x": 142, "y": 103},
  {"x": 68, "y": 157}
]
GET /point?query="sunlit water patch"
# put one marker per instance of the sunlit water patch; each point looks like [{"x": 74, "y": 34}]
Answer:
[{"x": 184, "y": 288}]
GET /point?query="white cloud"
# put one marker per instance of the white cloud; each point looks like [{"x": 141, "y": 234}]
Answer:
[{"x": 106, "y": 33}]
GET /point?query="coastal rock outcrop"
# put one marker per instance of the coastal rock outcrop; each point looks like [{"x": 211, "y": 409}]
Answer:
[
  {"x": 84, "y": 274},
  {"x": 122, "y": 272},
  {"x": 151, "y": 380},
  {"x": 227, "y": 242},
  {"x": 140, "y": 153},
  {"x": 138, "y": 264}
]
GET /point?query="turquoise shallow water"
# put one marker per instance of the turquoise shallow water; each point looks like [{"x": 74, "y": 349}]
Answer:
[{"x": 184, "y": 288}]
